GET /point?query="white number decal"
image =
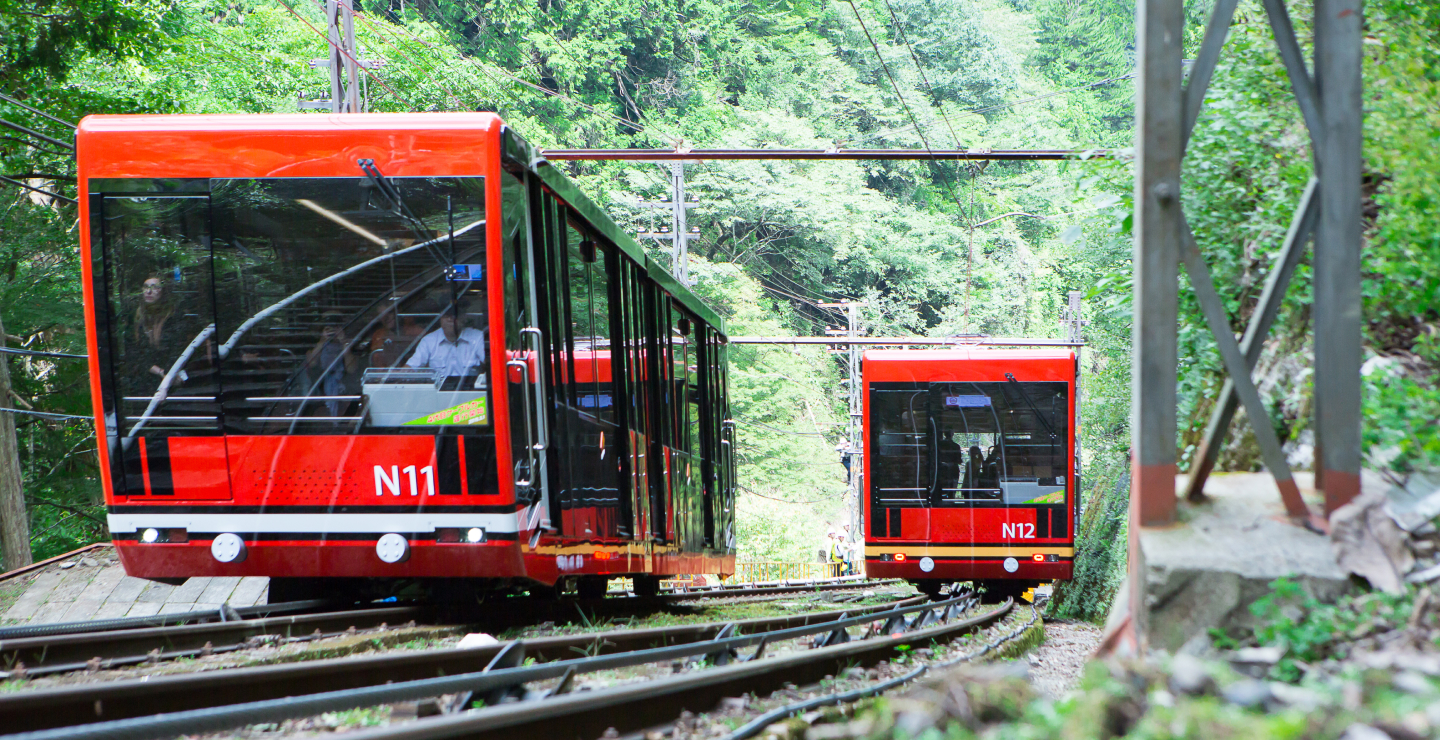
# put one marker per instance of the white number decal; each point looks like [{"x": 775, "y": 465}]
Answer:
[
  {"x": 1017, "y": 531},
  {"x": 391, "y": 481}
]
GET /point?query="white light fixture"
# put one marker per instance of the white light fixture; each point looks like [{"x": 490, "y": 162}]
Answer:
[
  {"x": 393, "y": 548},
  {"x": 150, "y": 536},
  {"x": 228, "y": 548},
  {"x": 475, "y": 534}
]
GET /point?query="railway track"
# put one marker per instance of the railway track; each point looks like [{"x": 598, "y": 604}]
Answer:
[
  {"x": 501, "y": 685},
  {"x": 119, "y": 643},
  {"x": 86, "y": 703}
]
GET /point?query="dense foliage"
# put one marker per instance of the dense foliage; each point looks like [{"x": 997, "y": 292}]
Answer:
[{"x": 933, "y": 248}]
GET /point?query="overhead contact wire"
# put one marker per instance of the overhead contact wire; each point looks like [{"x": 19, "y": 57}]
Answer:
[{"x": 369, "y": 73}]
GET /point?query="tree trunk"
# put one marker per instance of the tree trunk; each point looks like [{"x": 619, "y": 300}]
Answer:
[{"x": 14, "y": 520}]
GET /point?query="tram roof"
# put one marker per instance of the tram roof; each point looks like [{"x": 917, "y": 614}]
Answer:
[
  {"x": 514, "y": 147},
  {"x": 975, "y": 353},
  {"x": 518, "y": 150}
]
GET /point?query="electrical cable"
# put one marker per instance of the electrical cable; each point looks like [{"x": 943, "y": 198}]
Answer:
[
  {"x": 1049, "y": 95},
  {"x": 534, "y": 13},
  {"x": 36, "y": 134},
  {"x": 47, "y": 193},
  {"x": 778, "y": 429},
  {"x": 526, "y": 83},
  {"x": 37, "y": 112},
  {"x": 918, "y": 68},
  {"x": 368, "y": 72},
  {"x": 891, "y": 77},
  {"x": 44, "y": 414},
  {"x": 781, "y": 500}
]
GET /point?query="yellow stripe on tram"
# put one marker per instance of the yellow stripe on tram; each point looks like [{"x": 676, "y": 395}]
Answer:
[{"x": 962, "y": 551}]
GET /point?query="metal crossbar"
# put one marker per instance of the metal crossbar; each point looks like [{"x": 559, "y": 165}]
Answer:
[{"x": 1329, "y": 209}]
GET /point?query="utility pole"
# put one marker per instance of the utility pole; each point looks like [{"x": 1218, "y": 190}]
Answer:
[
  {"x": 347, "y": 91},
  {"x": 678, "y": 233},
  {"x": 856, "y": 452},
  {"x": 1073, "y": 322}
]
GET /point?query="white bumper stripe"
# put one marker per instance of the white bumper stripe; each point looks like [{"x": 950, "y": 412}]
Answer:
[{"x": 324, "y": 523}]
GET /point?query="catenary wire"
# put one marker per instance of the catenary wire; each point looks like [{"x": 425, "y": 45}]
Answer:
[
  {"x": 564, "y": 49},
  {"x": 36, "y": 111},
  {"x": 368, "y": 72},
  {"x": 526, "y": 83}
]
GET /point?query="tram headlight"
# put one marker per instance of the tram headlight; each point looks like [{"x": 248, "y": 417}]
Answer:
[
  {"x": 899, "y": 557},
  {"x": 150, "y": 536},
  {"x": 474, "y": 535},
  {"x": 1038, "y": 557}
]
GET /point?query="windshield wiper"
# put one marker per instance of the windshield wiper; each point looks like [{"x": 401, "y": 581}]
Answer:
[
  {"x": 1021, "y": 387},
  {"x": 397, "y": 203}
]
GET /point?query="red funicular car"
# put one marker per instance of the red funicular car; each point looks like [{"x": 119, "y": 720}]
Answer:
[{"x": 970, "y": 466}]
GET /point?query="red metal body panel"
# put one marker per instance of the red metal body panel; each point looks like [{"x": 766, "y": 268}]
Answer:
[
  {"x": 966, "y": 543},
  {"x": 313, "y": 475}
]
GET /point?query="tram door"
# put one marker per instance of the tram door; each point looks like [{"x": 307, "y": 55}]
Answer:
[
  {"x": 583, "y": 463},
  {"x": 523, "y": 343},
  {"x": 901, "y": 468},
  {"x": 159, "y": 366}
]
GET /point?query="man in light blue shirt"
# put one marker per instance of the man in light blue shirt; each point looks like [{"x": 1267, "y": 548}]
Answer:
[{"x": 453, "y": 349}]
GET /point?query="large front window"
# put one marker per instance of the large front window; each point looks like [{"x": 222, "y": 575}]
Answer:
[
  {"x": 959, "y": 444},
  {"x": 298, "y": 305}
]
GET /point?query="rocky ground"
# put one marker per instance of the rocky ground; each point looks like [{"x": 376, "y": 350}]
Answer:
[{"x": 1056, "y": 665}]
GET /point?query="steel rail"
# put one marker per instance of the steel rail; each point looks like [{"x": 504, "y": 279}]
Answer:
[
  {"x": 753, "y": 727},
  {"x": 46, "y": 652},
  {"x": 676, "y": 155},
  {"x": 89, "y": 703},
  {"x": 56, "y": 653},
  {"x": 953, "y": 342},
  {"x": 760, "y": 590},
  {"x": 223, "y": 614},
  {"x": 638, "y": 706},
  {"x": 494, "y": 678}
]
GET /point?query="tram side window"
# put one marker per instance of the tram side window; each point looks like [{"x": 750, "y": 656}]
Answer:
[
  {"x": 582, "y": 363},
  {"x": 680, "y": 346},
  {"x": 162, "y": 348},
  {"x": 900, "y": 467},
  {"x": 600, "y": 341}
]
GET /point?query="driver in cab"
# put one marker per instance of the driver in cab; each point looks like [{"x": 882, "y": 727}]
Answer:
[{"x": 454, "y": 349}]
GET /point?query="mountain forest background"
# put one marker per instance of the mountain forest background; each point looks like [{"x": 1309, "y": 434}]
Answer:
[{"x": 933, "y": 248}]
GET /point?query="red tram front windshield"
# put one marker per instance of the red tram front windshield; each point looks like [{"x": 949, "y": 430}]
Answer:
[
  {"x": 970, "y": 464},
  {"x": 292, "y": 342}
]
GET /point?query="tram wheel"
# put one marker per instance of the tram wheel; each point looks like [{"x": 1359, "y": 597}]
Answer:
[
  {"x": 340, "y": 590},
  {"x": 646, "y": 585},
  {"x": 929, "y": 586},
  {"x": 592, "y": 587},
  {"x": 997, "y": 591}
]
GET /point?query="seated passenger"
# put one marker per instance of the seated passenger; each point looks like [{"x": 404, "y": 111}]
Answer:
[
  {"x": 454, "y": 349},
  {"x": 951, "y": 459},
  {"x": 992, "y": 468},
  {"x": 974, "y": 469}
]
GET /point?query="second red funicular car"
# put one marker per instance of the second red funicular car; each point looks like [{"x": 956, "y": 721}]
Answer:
[{"x": 970, "y": 466}]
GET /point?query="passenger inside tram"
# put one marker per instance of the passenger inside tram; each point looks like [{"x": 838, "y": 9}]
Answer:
[
  {"x": 330, "y": 362},
  {"x": 455, "y": 349},
  {"x": 159, "y": 334}
]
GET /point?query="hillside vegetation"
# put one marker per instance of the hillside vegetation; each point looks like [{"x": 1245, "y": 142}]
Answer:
[{"x": 933, "y": 248}]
